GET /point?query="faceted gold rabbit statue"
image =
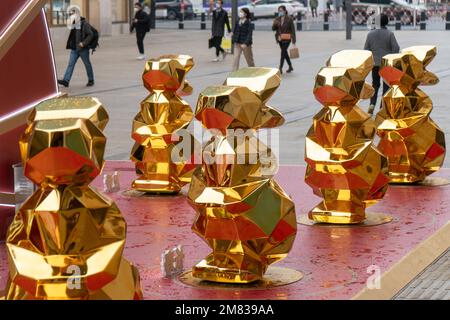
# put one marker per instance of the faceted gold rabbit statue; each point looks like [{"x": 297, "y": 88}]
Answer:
[
  {"x": 343, "y": 165},
  {"x": 413, "y": 143},
  {"x": 67, "y": 239},
  {"x": 242, "y": 213}
]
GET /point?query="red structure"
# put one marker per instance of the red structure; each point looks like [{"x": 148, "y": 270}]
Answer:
[{"x": 27, "y": 76}]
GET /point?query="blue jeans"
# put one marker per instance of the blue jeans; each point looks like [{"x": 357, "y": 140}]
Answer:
[{"x": 74, "y": 55}]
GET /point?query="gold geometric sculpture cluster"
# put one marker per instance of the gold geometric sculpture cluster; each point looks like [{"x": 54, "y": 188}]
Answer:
[
  {"x": 67, "y": 239},
  {"x": 343, "y": 165},
  {"x": 412, "y": 142},
  {"x": 242, "y": 213},
  {"x": 162, "y": 114}
]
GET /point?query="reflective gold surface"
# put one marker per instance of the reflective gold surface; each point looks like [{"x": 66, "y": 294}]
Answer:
[
  {"x": 274, "y": 277},
  {"x": 413, "y": 143},
  {"x": 163, "y": 113},
  {"x": 67, "y": 239},
  {"x": 343, "y": 166},
  {"x": 372, "y": 219},
  {"x": 242, "y": 213}
]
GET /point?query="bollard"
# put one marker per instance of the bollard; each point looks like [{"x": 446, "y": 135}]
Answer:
[
  {"x": 447, "y": 21},
  {"x": 203, "y": 21},
  {"x": 181, "y": 22},
  {"x": 423, "y": 24},
  {"x": 299, "y": 21},
  {"x": 326, "y": 25}
]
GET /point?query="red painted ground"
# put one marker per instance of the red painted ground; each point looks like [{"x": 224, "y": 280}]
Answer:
[{"x": 333, "y": 259}]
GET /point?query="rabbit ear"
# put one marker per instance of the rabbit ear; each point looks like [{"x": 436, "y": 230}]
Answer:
[
  {"x": 429, "y": 78},
  {"x": 186, "y": 89},
  {"x": 367, "y": 91},
  {"x": 424, "y": 54},
  {"x": 271, "y": 118},
  {"x": 360, "y": 60}
]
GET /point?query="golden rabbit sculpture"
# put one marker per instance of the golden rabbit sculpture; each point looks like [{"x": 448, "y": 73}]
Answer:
[
  {"x": 163, "y": 162},
  {"x": 413, "y": 143},
  {"x": 242, "y": 213},
  {"x": 343, "y": 166},
  {"x": 67, "y": 239}
]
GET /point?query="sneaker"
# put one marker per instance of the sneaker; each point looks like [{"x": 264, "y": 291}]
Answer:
[
  {"x": 63, "y": 83},
  {"x": 215, "y": 60},
  {"x": 140, "y": 57},
  {"x": 90, "y": 84},
  {"x": 371, "y": 109}
]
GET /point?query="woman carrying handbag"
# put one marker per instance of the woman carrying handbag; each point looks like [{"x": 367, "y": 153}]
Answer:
[{"x": 284, "y": 29}]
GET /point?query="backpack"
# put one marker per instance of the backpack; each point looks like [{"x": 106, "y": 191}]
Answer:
[
  {"x": 95, "y": 39},
  {"x": 94, "y": 43}
]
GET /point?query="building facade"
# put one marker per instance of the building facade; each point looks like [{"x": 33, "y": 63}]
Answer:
[{"x": 108, "y": 16}]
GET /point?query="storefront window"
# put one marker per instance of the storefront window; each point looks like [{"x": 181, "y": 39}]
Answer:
[{"x": 56, "y": 10}]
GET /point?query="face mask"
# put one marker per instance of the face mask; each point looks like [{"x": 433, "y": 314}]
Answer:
[
  {"x": 281, "y": 13},
  {"x": 74, "y": 21},
  {"x": 136, "y": 10},
  {"x": 241, "y": 15}
]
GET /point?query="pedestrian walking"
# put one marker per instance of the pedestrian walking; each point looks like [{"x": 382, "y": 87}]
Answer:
[
  {"x": 313, "y": 4},
  {"x": 80, "y": 37},
  {"x": 381, "y": 42},
  {"x": 141, "y": 23},
  {"x": 219, "y": 21},
  {"x": 243, "y": 39},
  {"x": 284, "y": 29}
]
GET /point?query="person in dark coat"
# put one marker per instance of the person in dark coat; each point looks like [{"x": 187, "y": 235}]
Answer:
[
  {"x": 284, "y": 29},
  {"x": 243, "y": 39},
  {"x": 219, "y": 21},
  {"x": 81, "y": 35},
  {"x": 141, "y": 23},
  {"x": 381, "y": 42}
]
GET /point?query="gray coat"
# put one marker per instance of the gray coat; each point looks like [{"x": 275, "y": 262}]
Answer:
[{"x": 381, "y": 42}]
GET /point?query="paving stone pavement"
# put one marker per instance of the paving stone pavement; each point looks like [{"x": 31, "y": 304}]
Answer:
[
  {"x": 433, "y": 283},
  {"x": 119, "y": 87}
]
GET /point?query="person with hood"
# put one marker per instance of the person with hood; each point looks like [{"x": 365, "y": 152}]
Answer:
[
  {"x": 141, "y": 23},
  {"x": 219, "y": 21},
  {"x": 380, "y": 42},
  {"x": 80, "y": 37},
  {"x": 284, "y": 29},
  {"x": 242, "y": 39}
]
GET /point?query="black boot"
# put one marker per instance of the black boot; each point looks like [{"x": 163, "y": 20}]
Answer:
[
  {"x": 290, "y": 69},
  {"x": 63, "y": 83},
  {"x": 90, "y": 84}
]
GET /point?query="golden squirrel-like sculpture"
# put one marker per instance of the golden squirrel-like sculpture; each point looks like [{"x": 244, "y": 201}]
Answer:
[
  {"x": 160, "y": 165},
  {"x": 413, "y": 143},
  {"x": 343, "y": 165},
  {"x": 67, "y": 239},
  {"x": 242, "y": 213}
]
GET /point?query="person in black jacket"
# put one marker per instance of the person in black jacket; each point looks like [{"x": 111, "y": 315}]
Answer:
[
  {"x": 81, "y": 35},
  {"x": 284, "y": 29},
  {"x": 243, "y": 39},
  {"x": 219, "y": 21},
  {"x": 141, "y": 23}
]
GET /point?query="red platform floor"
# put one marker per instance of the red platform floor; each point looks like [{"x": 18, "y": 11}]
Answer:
[{"x": 334, "y": 260}]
